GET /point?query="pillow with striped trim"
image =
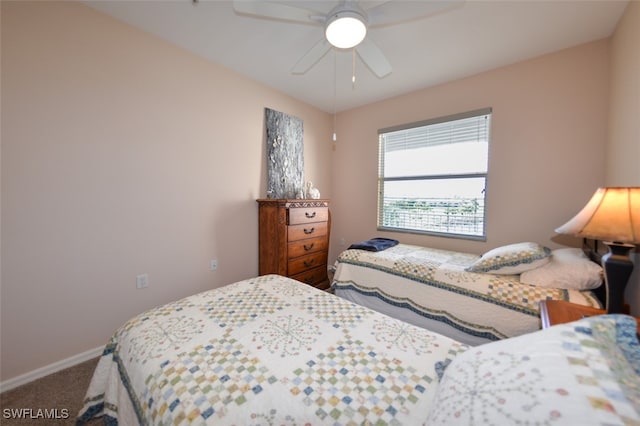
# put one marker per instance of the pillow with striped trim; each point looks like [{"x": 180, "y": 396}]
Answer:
[{"x": 511, "y": 259}]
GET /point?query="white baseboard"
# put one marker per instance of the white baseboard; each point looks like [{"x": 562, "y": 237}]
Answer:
[{"x": 50, "y": 369}]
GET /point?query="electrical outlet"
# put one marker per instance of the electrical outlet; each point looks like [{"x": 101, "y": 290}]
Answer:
[
  {"x": 142, "y": 281},
  {"x": 213, "y": 264}
]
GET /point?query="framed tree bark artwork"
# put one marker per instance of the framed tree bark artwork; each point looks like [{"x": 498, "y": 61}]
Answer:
[{"x": 285, "y": 155}]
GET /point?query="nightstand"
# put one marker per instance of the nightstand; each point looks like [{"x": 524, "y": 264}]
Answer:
[{"x": 554, "y": 312}]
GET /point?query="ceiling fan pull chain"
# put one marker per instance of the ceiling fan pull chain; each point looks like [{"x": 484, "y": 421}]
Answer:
[
  {"x": 353, "y": 69},
  {"x": 335, "y": 91}
]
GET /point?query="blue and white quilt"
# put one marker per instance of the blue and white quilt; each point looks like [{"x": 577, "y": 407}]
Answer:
[
  {"x": 430, "y": 288},
  {"x": 263, "y": 351}
]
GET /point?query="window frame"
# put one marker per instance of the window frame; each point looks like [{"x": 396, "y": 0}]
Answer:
[{"x": 433, "y": 177}]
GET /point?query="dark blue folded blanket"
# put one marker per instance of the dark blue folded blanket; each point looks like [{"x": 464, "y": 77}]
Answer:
[{"x": 375, "y": 244}]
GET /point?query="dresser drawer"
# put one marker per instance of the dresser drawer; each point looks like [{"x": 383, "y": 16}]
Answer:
[
  {"x": 308, "y": 246},
  {"x": 300, "y": 264},
  {"x": 308, "y": 230},
  {"x": 308, "y": 214},
  {"x": 316, "y": 277}
]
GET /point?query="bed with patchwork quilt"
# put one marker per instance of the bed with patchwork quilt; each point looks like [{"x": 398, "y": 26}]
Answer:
[
  {"x": 267, "y": 350},
  {"x": 470, "y": 298},
  {"x": 270, "y": 350}
]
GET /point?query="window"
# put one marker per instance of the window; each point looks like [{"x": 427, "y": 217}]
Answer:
[{"x": 432, "y": 176}]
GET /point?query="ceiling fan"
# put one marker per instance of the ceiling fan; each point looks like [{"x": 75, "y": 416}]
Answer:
[{"x": 345, "y": 25}]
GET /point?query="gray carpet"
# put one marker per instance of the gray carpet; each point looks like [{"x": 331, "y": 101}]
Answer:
[{"x": 63, "y": 391}]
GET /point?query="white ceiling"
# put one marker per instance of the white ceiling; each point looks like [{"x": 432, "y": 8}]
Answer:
[{"x": 465, "y": 40}]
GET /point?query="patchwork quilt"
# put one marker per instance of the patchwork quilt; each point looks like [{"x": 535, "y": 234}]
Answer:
[
  {"x": 267, "y": 350},
  {"x": 434, "y": 285}
]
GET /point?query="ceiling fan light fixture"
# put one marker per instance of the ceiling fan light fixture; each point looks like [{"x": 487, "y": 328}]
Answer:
[{"x": 345, "y": 29}]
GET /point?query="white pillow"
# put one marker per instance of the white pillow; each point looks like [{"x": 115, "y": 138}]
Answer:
[
  {"x": 511, "y": 259},
  {"x": 578, "y": 373},
  {"x": 569, "y": 268}
]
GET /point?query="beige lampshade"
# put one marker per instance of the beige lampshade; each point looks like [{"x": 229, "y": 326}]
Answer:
[{"x": 612, "y": 214}]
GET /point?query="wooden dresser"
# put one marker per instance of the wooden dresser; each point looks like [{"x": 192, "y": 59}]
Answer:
[{"x": 294, "y": 239}]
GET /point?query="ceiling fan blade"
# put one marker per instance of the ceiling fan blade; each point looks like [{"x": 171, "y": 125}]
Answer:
[
  {"x": 311, "y": 57},
  {"x": 373, "y": 57},
  {"x": 394, "y": 12},
  {"x": 277, "y": 11}
]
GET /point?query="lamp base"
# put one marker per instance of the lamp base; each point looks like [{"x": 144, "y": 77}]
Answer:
[{"x": 617, "y": 267}]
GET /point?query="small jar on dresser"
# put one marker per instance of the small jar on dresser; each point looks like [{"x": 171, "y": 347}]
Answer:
[{"x": 294, "y": 239}]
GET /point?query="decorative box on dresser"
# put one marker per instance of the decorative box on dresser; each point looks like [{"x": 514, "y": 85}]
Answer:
[{"x": 294, "y": 239}]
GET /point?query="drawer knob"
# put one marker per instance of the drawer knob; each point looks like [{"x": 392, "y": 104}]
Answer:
[
  {"x": 310, "y": 215},
  {"x": 308, "y": 247},
  {"x": 309, "y": 231},
  {"x": 308, "y": 263}
]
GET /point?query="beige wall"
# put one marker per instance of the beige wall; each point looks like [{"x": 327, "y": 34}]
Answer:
[
  {"x": 623, "y": 142},
  {"x": 122, "y": 154},
  {"x": 548, "y": 134},
  {"x": 623, "y": 149}
]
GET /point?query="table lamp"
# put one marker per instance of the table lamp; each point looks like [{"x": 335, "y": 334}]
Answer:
[{"x": 613, "y": 216}]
